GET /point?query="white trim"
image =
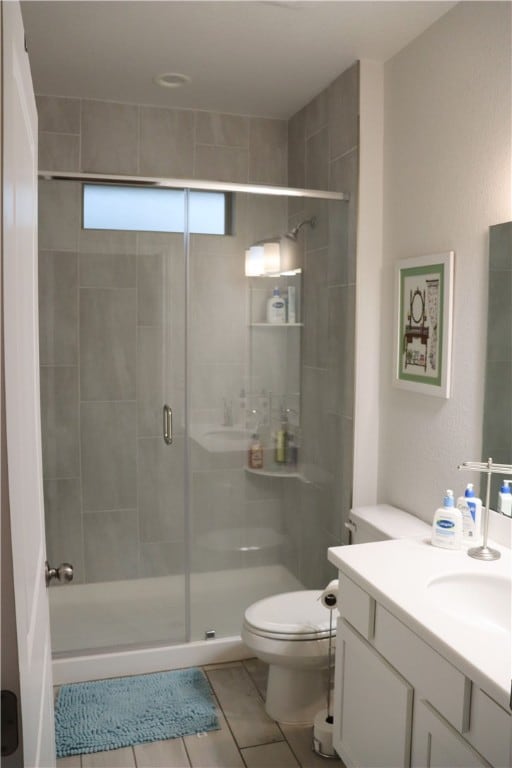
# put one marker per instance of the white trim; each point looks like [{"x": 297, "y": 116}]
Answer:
[
  {"x": 139, "y": 661},
  {"x": 368, "y": 284},
  {"x": 218, "y": 186}
]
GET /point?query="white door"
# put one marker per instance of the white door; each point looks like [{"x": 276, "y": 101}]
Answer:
[{"x": 23, "y": 421}]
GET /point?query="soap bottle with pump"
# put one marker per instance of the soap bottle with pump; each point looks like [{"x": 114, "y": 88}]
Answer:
[
  {"x": 276, "y": 308},
  {"x": 470, "y": 508},
  {"x": 255, "y": 457},
  {"x": 505, "y": 499},
  {"x": 447, "y": 524}
]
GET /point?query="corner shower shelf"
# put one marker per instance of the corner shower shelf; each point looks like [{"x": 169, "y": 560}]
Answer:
[
  {"x": 276, "y": 325},
  {"x": 272, "y": 473}
]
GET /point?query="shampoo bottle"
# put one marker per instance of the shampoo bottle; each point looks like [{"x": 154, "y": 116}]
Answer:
[
  {"x": 447, "y": 524},
  {"x": 281, "y": 441},
  {"x": 505, "y": 499},
  {"x": 470, "y": 508},
  {"x": 255, "y": 458}
]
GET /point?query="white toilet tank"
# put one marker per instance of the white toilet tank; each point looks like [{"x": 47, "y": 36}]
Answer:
[{"x": 382, "y": 521}]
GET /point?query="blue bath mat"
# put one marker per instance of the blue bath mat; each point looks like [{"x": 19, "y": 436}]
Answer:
[{"x": 109, "y": 714}]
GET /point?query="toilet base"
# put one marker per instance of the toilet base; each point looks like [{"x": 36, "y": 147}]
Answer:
[{"x": 294, "y": 696}]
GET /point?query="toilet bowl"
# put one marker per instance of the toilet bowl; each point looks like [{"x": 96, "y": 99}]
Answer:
[{"x": 290, "y": 632}]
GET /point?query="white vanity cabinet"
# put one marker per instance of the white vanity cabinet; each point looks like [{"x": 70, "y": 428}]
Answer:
[
  {"x": 400, "y": 703},
  {"x": 437, "y": 745},
  {"x": 373, "y": 705}
]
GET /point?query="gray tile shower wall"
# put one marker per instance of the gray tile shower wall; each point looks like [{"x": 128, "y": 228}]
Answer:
[
  {"x": 323, "y": 153},
  {"x": 108, "y": 137},
  {"x": 111, "y": 519},
  {"x": 109, "y": 304}
]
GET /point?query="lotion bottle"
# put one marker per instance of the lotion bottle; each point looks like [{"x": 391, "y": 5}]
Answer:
[
  {"x": 447, "y": 524},
  {"x": 276, "y": 308},
  {"x": 470, "y": 508},
  {"x": 505, "y": 499}
]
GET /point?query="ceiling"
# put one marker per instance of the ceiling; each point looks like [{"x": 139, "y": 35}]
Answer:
[{"x": 266, "y": 59}]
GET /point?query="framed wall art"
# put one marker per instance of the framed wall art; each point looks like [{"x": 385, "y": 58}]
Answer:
[{"x": 423, "y": 324}]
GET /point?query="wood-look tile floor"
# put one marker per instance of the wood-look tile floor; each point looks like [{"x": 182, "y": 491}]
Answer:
[{"x": 248, "y": 738}]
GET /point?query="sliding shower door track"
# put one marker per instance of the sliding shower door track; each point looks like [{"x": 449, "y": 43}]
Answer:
[{"x": 219, "y": 186}]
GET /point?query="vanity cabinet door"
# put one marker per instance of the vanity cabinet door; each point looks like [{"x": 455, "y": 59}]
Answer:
[
  {"x": 373, "y": 706},
  {"x": 435, "y": 744}
]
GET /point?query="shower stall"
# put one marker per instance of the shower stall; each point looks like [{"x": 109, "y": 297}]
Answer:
[{"x": 158, "y": 365}]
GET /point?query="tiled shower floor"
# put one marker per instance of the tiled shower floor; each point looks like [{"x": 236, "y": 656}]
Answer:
[{"x": 248, "y": 738}]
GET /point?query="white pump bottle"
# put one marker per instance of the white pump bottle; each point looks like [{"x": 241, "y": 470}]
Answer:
[{"x": 447, "y": 524}]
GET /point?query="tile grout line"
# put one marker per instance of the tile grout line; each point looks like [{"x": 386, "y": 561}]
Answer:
[
  {"x": 278, "y": 724},
  {"x": 184, "y": 744},
  {"x": 226, "y": 717},
  {"x": 261, "y": 744}
]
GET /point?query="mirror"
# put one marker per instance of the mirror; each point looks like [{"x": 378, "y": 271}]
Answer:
[{"x": 497, "y": 422}]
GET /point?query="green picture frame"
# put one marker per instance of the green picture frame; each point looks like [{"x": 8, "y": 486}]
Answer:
[{"x": 423, "y": 324}]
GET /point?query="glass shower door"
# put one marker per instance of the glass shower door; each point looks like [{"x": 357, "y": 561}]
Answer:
[
  {"x": 111, "y": 350},
  {"x": 172, "y": 539},
  {"x": 260, "y": 531}
]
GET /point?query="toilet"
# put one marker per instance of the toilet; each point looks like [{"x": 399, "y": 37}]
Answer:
[{"x": 290, "y": 631}]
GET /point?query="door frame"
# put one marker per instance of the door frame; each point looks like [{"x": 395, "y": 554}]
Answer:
[{"x": 27, "y": 639}]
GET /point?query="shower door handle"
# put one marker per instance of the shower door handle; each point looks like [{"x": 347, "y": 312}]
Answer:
[
  {"x": 63, "y": 573},
  {"x": 167, "y": 419}
]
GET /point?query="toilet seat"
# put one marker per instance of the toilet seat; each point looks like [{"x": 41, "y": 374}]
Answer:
[
  {"x": 292, "y": 616},
  {"x": 291, "y": 633}
]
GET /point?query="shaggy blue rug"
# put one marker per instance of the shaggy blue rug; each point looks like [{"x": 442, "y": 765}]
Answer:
[{"x": 109, "y": 714}]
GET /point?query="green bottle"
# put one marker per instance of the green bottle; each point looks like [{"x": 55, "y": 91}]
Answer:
[{"x": 281, "y": 440}]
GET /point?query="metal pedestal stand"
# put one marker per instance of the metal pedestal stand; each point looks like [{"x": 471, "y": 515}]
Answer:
[
  {"x": 484, "y": 552},
  {"x": 323, "y": 726}
]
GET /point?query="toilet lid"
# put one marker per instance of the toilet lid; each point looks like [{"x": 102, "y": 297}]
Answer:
[{"x": 299, "y": 614}]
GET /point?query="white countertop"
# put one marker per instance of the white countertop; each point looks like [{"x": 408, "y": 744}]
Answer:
[{"x": 396, "y": 574}]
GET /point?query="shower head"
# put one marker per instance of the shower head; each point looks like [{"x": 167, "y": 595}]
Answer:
[
  {"x": 276, "y": 255},
  {"x": 293, "y": 233}
]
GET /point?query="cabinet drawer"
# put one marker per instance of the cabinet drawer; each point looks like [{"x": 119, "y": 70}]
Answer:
[
  {"x": 434, "y": 678},
  {"x": 435, "y": 744},
  {"x": 356, "y": 606},
  {"x": 490, "y": 729}
]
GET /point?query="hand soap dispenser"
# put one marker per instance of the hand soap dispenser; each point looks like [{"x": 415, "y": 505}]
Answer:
[
  {"x": 470, "y": 508},
  {"x": 447, "y": 524},
  {"x": 505, "y": 499}
]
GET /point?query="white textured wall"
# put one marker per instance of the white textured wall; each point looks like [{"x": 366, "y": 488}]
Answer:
[
  {"x": 447, "y": 178},
  {"x": 369, "y": 258}
]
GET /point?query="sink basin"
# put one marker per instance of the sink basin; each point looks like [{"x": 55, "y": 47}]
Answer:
[
  {"x": 218, "y": 439},
  {"x": 229, "y": 435},
  {"x": 475, "y": 599}
]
